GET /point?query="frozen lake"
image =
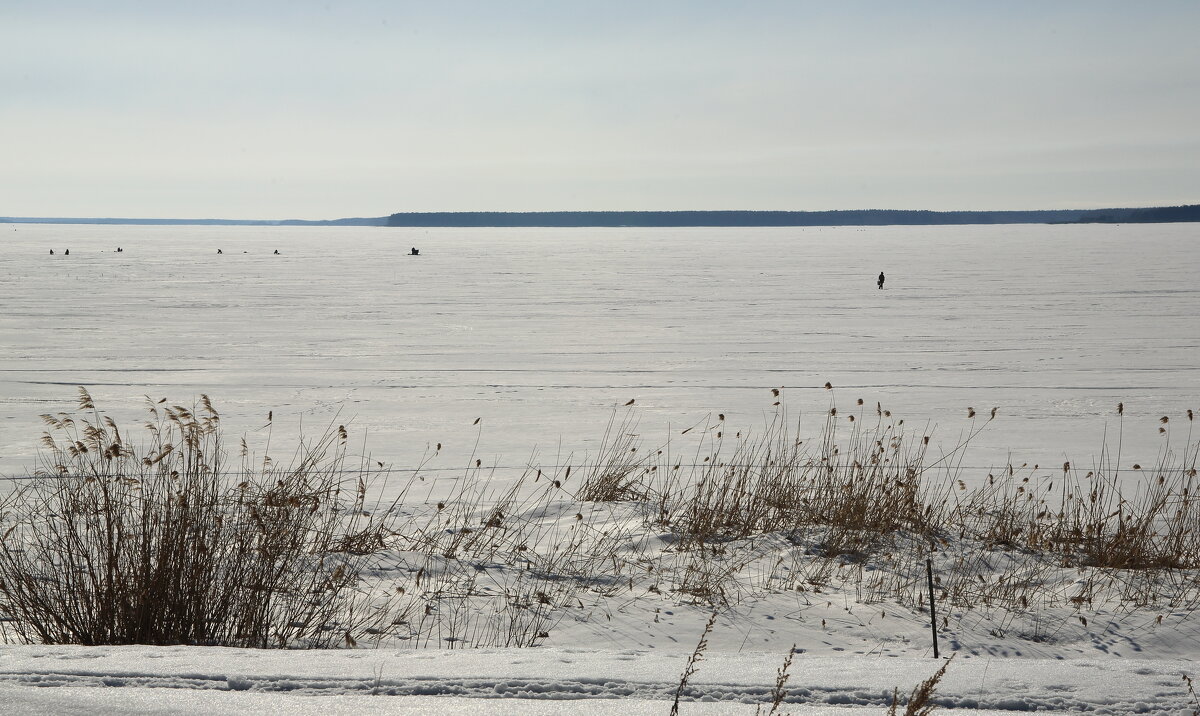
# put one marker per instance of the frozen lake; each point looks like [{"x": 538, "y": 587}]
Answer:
[{"x": 540, "y": 332}]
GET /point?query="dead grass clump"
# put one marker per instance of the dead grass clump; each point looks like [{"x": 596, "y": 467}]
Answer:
[
  {"x": 119, "y": 543},
  {"x": 862, "y": 502},
  {"x": 614, "y": 474},
  {"x": 861, "y": 482}
]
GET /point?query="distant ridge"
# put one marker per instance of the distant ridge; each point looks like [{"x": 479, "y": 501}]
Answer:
[
  {"x": 864, "y": 217},
  {"x": 868, "y": 217}
]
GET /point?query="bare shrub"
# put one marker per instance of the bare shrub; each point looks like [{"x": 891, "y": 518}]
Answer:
[{"x": 113, "y": 542}]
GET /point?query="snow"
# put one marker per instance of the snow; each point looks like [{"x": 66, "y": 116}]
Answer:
[
  {"x": 188, "y": 679},
  {"x": 540, "y": 333}
]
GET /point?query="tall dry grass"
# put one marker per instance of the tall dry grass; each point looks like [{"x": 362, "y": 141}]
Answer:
[
  {"x": 116, "y": 542},
  {"x": 163, "y": 541},
  {"x": 861, "y": 502}
]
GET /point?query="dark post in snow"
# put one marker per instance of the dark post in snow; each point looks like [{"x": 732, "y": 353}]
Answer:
[{"x": 932, "y": 610}]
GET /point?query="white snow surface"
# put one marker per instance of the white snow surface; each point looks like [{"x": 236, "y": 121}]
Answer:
[
  {"x": 485, "y": 681},
  {"x": 540, "y": 333}
]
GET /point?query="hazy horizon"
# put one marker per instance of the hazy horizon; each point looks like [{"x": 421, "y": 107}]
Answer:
[
  {"x": 51, "y": 218},
  {"x": 318, "y": 111}
]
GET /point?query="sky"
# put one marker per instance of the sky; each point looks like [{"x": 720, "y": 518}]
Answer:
[{"x": 320, "y": 110}]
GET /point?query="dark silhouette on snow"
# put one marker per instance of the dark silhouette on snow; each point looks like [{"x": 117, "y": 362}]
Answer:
[
  {"x": 218, "y": 251},
  {"x": 276, "y": 252},
  {"x": 51, "y": 252},
  {"x": 880, "y": 279},
  {"x": 67, "y": 252},
  {"x": 119, "y": 249},
  {"x": 413, "y": 252}
]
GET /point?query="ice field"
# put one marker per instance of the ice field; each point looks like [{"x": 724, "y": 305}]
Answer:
[
  {"x": 514, "y": 347},
  {"x": 540, "y": 332}
]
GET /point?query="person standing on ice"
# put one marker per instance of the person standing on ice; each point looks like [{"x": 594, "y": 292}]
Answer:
[{"x": 881, "y": 279}]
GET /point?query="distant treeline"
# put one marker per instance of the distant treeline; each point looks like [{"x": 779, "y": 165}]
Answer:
[{"x": 868, "y": 217}]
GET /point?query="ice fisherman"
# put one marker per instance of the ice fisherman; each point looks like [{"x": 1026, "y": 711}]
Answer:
[
  {"x": 880, "y": 279},
  {"x": 413, "y": 251}
]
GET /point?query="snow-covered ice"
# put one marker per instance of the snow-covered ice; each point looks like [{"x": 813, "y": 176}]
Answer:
[{"x": 539, "y": 333}]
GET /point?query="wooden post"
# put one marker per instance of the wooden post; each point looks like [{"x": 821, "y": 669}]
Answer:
[{"x": 932, "y": 609}]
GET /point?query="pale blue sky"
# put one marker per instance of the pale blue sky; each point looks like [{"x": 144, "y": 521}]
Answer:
[{"x": 333, "y": 109}]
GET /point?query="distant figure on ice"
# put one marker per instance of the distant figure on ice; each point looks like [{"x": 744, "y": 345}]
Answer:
[
  {"x": 67, "y": 252},
  {"x": 51, "y": 252},
  {"x": 413, "y": 252},
  {"x": 880, "y": 279},
  {"x": 119, "y": 249},
  {"x": 276, "y": 252},
  {"x": 218, "y": 251}
]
